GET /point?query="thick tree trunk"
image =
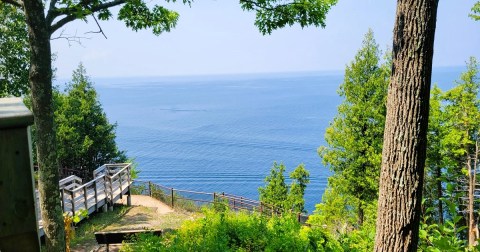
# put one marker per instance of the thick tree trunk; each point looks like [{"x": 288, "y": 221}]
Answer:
[
  {"x": 41, "y": 88},
  {"x": 404, "y": 149}
]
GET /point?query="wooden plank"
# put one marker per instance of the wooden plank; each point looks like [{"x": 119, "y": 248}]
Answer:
[
  {"x": 110, "y": 183},
  {"x": 116, "y": 237}
]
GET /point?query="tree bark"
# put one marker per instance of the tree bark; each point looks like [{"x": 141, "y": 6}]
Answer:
[
  {"x": 471, "y": 189},
  {"x": 40, "y": 77},
  {"x": 361, "y": 214},
  {"x": 438, "y": 183},
  {"x": 404, "y": 149}
]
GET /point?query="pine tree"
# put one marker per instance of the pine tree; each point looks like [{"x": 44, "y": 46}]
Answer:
[
  {"x": 354, "y": 138},
  {"x": 86, "y": 140},
  {"x": 275, "y": 191},
  {"x": 300, "y": 179}
]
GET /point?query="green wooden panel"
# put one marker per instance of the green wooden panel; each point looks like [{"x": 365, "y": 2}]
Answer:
[{"x": 18, "y": 221}]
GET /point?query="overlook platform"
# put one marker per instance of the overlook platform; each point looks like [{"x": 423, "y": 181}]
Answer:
[{"x": 109, "y": 184}]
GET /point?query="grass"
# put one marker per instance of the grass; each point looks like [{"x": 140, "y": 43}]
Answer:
[
  {"x": 141, "y": 217},
  {"x": 84, "y": 233},
  {"x": 126, "y": 218}
]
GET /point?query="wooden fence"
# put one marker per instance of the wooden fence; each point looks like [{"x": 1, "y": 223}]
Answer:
[
  {"x": 110, "y": 182},
  {"x": 194, "y": 200}
]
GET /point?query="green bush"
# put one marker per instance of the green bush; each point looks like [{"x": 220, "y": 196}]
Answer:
[{"x": 239, "y": 231}]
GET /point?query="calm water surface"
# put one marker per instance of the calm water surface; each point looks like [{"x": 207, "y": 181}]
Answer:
[{"x": 223, "y": 133}]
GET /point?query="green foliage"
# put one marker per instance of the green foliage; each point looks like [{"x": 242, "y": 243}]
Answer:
[
  {"x": 459, "y": 127},
  {"x": 355, "y": 137},
  {"x": 272, "y": 14},
  {"x": 454, "y": 127},
  {"x": 336, "y": 213},
  {"x": 475, "y": 15},
  {"x": 86, "y": 140},
  {"x": 433, "y": 190},
  {"x": 68, "y": 221},
  {"x": 447, "y": 236},
  {"x": 133, "y": 168},
  {"x": 137, "y": 15},
  {"x": 86, "y": 229},
  {"x": 14, "y": 53},
  {"x": 229, "y": 231},
  {"x": 281, "y": 197},
  {"x": 166, "y": 197},
  {"x": 275, "y": 191},
  {"x": 300, "y": 179},
  {"x": 462, "y": 113}
]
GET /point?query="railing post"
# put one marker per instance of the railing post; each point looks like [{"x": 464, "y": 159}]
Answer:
[
  {"x": 72, "y": 194},
  {"x": 121, "y": 189},
  {"x": 234, "y": 208},
  {"x": 214, "y": 197},
  {"x": 111, "y": 193},
  {"x": 129, "y": 181},
  {"x": 105, "y": 192},
  {"x": 129, "y": 174},
  {"x": 62, "y": 192},
  {"x": 129, "y": 197},
  {"x": 172, "y": 196},
  {"x": 85, "y": 196},
  {"x": 261, "y": 208},
  {"x": 150, "y": 188},
  {"x": 298, "y": 217},
  {"x": 96, "y": 194}
]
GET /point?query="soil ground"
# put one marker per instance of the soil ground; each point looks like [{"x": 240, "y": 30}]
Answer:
[{"x": 145, "y": 213}]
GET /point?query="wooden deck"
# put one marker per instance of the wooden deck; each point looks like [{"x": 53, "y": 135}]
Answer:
[{"x": 110, "y": 183}]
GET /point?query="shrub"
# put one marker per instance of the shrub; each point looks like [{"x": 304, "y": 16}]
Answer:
[{"x": 239, "y": 231}]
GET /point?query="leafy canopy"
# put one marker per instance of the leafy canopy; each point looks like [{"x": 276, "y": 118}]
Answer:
[
  {"x": 281, "y": 197},
  {"x": 275, "y": 14},
  {"x": 475, "y": 11},
  {"x": 14, "y": 52}
]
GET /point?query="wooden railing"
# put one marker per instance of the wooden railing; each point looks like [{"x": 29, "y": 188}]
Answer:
[
  {"x": 194, "y": 200},
  {"x": 110, "y": 183}
]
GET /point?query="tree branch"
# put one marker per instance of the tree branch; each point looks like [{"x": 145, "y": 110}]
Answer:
[
  {"x": 17, "y": 3},
  {"x": 71, "y": 13},
  {"x": 51, "y": 10},
  {"x": 70, "y": 38},
  {"x": 99, "y": 27},
  {"x": 256, "y": 6}
]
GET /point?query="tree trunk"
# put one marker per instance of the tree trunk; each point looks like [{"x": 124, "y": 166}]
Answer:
[
  {"x": 472, "y": 172},
  {"x": 361, "y": 214},
  {"x": 438, "y": 182},
  {"x": 471, "y": 189},
  {"x": 40, "y": 77},
  {"x": 405, "y": 137}
]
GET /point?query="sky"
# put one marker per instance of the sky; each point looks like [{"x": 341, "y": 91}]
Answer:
[{"x": 218, "y": 37}]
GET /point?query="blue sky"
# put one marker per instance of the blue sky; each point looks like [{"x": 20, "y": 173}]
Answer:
[{"x": 217, "y": 37}]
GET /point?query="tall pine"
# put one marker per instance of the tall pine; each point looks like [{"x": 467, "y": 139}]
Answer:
[
  {"x": 354, "y": 138},
  {"x": 86, "y": 139}
]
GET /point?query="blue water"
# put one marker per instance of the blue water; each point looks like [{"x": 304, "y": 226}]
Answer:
[{"x": 223, "y": 133}]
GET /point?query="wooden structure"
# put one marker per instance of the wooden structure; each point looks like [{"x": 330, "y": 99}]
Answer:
[
  {"x": 193, "y": 200},
  {"x": 18, "y": 225},
  {"x": 109, "y": 184},
  {"x": 116, "y": 237}
]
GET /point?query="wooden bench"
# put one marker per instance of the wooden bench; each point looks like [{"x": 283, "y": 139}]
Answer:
[{"x": 116, "y": 237}]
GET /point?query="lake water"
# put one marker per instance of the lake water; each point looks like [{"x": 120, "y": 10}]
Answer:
[{"x": 223, "y": 133}]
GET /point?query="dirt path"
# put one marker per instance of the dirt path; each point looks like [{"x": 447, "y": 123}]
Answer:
[
  {"x": 147, "y": 201},
  {"x": 145, "y": 213}
]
